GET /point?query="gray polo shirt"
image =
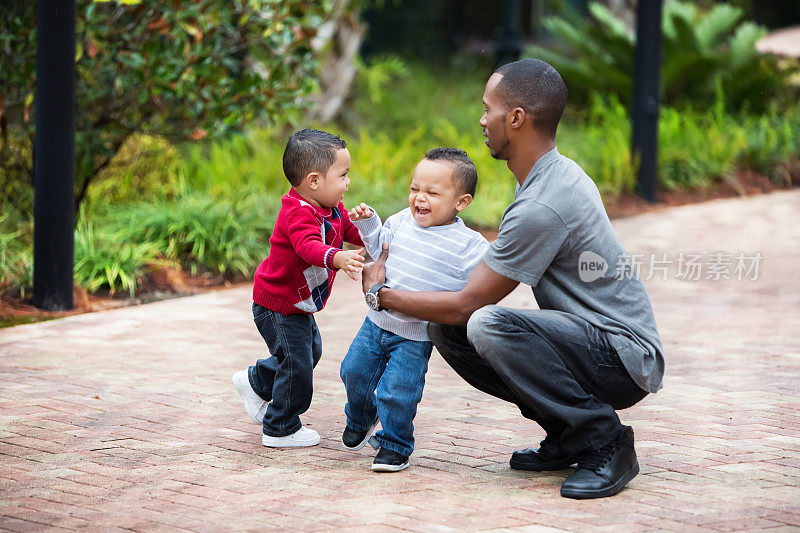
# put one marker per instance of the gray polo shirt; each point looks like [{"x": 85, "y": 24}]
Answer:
[{"x": 556, "y": 237}]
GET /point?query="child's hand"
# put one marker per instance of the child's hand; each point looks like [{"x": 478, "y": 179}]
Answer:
[
  {"x": 351, "y": 261},
  {"x": 360, "y": 212}
]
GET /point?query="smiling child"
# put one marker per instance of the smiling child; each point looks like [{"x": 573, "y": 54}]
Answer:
[
  {"x": 294, "y": 282},
  {"x": 430, "y": 250}
]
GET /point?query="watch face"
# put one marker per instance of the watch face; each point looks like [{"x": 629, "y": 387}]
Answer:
[{"x": 372, "y": 300}]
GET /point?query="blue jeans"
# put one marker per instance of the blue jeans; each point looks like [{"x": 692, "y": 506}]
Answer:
[
  {"x": 285, "y": 379},
  {"x": 395, "y": 366}
]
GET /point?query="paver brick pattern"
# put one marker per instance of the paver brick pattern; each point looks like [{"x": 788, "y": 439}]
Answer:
[{"x": 127, "y": 419}]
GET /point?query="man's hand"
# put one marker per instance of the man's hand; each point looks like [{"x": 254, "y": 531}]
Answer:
[
  {"x": 360, "y": 212},
  {"x": 375, "y": 272},
  {"x": 351, "y": 261}
]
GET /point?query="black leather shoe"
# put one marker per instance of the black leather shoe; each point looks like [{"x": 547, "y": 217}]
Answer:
[
  {"x": 548, "y": 457},
  {"x": 389, "y": 461},
  {"x": 604, "y": 472},
  {"x": 355, "y": 440}
]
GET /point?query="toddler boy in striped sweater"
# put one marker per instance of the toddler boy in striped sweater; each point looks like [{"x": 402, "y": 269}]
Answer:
[
  {"x": 430, "y": 249},
  {"x": 295, "y": 281}
]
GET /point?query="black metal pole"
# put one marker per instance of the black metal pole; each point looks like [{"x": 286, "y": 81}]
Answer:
[
  {"x": 508, "y": 36},
  {"x": 54, "y": 156},
  {"x": 646, "y": 82}
]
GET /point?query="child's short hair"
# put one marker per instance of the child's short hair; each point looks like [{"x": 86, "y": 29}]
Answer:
[
  {"x": 309, "y": 151},
  {"x": 465, "y": 175}
]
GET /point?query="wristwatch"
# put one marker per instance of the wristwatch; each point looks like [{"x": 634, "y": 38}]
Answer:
[{"x": 373, "y": 301}]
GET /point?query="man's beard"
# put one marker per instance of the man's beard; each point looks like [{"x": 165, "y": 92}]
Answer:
[{"x": 499, "y": 154}]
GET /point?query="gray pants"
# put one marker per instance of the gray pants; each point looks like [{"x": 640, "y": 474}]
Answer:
[{"x": 560, "y": 371}]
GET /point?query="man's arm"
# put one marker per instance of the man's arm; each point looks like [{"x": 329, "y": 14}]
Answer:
[{"x": 484, "y": 287}]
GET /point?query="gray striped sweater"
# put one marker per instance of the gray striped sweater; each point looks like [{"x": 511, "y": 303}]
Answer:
[{"x": 437, "y": 258}]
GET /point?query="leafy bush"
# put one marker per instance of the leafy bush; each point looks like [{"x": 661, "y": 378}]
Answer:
[
  {"x": 415, "y": 95},
  {"x": 225, "y": 167},
  {"x": 143, "y": 167},
  {"x": 203, "y": 233},
  {"x": 701, "y": 50},
  {"x": 599, "y": 140},
  {"x": 106, "y": 259},
  {"x": 772, "y": 144},
  {"x": 178, "y": 70},
  {"x": 16, "y": 251}
]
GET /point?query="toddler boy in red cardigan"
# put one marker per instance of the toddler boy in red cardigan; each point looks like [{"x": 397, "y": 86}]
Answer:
[{"x": 294, "y": 281}]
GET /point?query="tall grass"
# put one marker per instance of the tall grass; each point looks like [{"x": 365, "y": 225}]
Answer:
[
  {"x": 16, "y": 251},
  {"x": 221, "y": 235},
  {"x": 106, "y": 259}
]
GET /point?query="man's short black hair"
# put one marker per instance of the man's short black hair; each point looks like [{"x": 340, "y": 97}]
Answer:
[
  {"x": 536, "y": 87},
  {"x": 309, "y": 151},
  {"x": 465, "y": 175}
]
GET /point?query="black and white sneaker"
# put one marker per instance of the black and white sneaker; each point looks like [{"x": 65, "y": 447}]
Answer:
[
  {"x": 355, "y": 440},
  {"x": 389, "y": 461}
]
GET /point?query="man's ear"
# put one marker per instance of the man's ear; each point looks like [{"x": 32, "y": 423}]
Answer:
[
  {"x": 313, "y": 180},
  {"x": 517, "y": 117},
  {"x": 463, "y": 202}
]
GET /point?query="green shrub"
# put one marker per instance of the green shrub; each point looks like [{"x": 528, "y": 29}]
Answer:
[
  {"x": 599, "y": 140},
  {"x": 16, "y": 160},
  {"x": 415, "y": 95},
  {"x": 16, "y": 251},
  {"x": 181, "y": 70},
  {"x": 203, "y": 233},
  {"x": 143, "y": 167},
  {"x": 105, "y": 259},
  {"x": 242, "y": 162},
  {"x": 702, "y": 49},
  {"x": 770, "y": 141}
]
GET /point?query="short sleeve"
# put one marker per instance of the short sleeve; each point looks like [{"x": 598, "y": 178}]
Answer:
[{"x": 531, "y": 235}]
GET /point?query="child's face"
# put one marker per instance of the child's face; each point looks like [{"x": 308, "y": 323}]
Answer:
[
  {"x": 331, "y": 186},
  {"x": 434, "y": 200}
]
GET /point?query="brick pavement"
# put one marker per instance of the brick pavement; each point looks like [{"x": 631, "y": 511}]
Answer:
[{"x": 127, "y": 419}]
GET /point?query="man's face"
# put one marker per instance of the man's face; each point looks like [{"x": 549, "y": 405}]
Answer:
[{"x": 493, "y": 120}]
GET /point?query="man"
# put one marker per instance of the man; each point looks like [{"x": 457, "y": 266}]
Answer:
[{"x": 593, "y": 346}]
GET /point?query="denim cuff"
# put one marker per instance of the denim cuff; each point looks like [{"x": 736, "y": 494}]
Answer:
[
  {"x": 286, "y": 433},
  {"x": 402, "y": 450}
]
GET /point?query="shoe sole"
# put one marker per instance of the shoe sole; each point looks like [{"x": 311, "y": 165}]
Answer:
[
  {"x": 389, "y": 468},
  {"x": 363, "y": 442},
  {"x": 609, "y": 491},
  {"x": 543, "y": 467},
  {"x": 240, "y": 388},
  {"x": 282, "y": 442}
]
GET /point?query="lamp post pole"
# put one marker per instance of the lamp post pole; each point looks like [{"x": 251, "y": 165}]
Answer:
[
  {"x": 508, "y": 36},
  {"x": 646, "y": 82},
  {"x": 54, "y": 155}
]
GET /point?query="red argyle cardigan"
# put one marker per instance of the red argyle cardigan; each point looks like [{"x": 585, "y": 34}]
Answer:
[{"x": 298, "y": 274}]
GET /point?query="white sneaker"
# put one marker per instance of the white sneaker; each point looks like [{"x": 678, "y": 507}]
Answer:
[
  {"x": 255, "y": 406},
  {"x": 301, "y": 437}
]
